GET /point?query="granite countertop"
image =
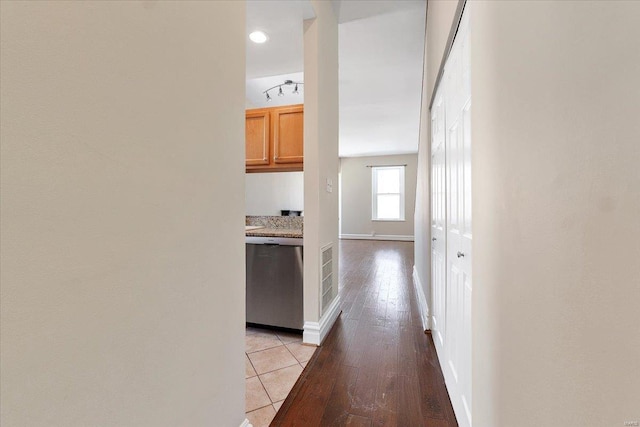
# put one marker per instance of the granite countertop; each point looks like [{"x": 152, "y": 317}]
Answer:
[
  {"x": 275, "y": 232},
  {"x": 274, "y": 226}
]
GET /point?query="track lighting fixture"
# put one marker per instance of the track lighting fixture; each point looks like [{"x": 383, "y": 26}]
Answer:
[{"x": 280, "y": 92}]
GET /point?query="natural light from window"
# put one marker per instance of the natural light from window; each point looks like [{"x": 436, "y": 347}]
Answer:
[{"x": 387, "y": 193}]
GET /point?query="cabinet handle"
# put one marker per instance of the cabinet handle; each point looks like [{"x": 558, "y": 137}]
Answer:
[
  {"x": 433, "y": 239},
  {"x": 460, "y": 254}
]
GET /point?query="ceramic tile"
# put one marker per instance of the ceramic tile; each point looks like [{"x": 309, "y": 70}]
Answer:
[
  {"x": 279, "y": 383},
  {"x": 272, "y": 359},
  {"x": 248, "y": 368},
  {"x": 261, "y": 417},
  {"x": 277, "y": 405},
  {"x": 301, "y": 352},
  {"x": 260, "y": 331},
  {"x": 255, "y": 395},
  {"x": 255, "y": 343},
  {"x": 278, "y": 364},
  {"x": 288, "y": 337}
]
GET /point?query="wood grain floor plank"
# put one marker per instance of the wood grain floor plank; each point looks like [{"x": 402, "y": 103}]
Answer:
[
  {"x": 364, "y": 394},
  {"x": 336, "y": 412},
  {"x": 376, "y": 367},
  {"x": 386, "y": 401},
  {"x": 357, "y": 421}
]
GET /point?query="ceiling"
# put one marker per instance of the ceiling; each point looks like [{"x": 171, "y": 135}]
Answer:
[
  {"x": 282, "y": 22},
  {"x": 381, "y": 45},
  {"x": 350, "y": 10}
]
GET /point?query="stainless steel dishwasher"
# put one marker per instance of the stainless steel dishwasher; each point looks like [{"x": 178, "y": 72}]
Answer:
[{"x": 274, "y": 282}]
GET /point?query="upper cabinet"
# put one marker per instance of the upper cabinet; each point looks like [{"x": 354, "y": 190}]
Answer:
[
  {"x": 274, "y": 139},
  {"x": 257, "y": 137}
]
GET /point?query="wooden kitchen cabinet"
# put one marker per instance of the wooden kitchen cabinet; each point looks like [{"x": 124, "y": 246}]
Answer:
[
  {"x": 257, "y": 137},
  {"x": 275, "y": 139}
]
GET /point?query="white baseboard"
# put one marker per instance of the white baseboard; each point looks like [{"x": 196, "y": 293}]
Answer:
[
  {"x": 422, "y": 300},
  {"x": 315, "y": 332},
  {"x": 246, "y": 423},
  {"x": 397, "y": 237}
]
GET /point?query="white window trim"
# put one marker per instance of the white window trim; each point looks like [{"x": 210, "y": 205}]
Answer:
[{"x": 374, "y": 194}]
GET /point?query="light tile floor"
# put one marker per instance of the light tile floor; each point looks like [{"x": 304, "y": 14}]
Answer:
[{"x": 273, "y": 363}]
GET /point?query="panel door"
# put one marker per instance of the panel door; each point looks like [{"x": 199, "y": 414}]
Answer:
[
  {"x": 457, "y": 369},
  {"x": 257, "y": 137},
  {"x": 438, "y": 222},
  {"x": 288, "y": 135}
]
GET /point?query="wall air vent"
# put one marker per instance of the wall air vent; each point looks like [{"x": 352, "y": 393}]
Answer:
[{"x": 326, "y": 262}]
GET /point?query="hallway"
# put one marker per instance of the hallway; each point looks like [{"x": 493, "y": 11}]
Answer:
[{"x": 376, "y": 366}]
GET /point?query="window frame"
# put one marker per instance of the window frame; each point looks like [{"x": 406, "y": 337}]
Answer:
[{"x": 375, "y": 194}]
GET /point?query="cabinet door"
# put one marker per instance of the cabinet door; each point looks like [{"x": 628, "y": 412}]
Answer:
[
  {"x": 288, "y": 135},
  {"x": 257, "y": 137}
]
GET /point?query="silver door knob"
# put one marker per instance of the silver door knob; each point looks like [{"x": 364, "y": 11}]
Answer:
[
  {"x": 433, "y": 239},
  {"x": 460, "y": 254}
]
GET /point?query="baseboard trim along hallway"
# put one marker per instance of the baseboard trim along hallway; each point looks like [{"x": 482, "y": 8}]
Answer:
[
  {"x": 315, "y": 332},
  {"x": 423, "y": 307}
]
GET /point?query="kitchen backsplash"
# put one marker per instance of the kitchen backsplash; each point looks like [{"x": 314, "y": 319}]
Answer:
[
  {"x": 283, "y": 222},
  {"x": 267, "y": 193}
]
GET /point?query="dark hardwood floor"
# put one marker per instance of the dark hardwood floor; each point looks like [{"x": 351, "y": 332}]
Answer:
[{"x": 376, "y": 367}]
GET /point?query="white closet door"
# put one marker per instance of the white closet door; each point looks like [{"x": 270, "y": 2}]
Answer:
[
  {"x": 454, "y": 349},
  {"x": 438, "y": 222},
  {"x": 457, "y": 369}
]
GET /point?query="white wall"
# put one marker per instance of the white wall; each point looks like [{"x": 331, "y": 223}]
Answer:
[
  {"x": 268, "y": 193},
  {"x": 356, "y": 196},
  {"x": 320, "y": 150},
  {"x": 556, "y": 199},
  {"x": 440, "y": 15},
  {"x": 122, "y": 294}
]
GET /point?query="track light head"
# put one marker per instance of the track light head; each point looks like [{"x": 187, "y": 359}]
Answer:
[{"x": 280, "y": 91}]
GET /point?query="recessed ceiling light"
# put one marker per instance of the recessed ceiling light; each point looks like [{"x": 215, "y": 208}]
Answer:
[{"x": 258, "y": 37}]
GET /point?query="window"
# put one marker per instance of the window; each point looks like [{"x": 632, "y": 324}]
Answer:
[{"x": 387, "y": 193}]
